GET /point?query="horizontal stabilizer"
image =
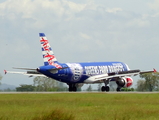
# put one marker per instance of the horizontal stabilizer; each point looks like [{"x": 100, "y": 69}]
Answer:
[
  {"x": 28, "y": 73},
  {"x": 24, "y": 68}
]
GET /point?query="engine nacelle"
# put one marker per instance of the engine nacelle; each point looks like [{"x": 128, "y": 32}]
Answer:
[{"x": 124, "y": 82}]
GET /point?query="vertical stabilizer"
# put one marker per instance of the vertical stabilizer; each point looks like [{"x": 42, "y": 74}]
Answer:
[{"x": 48, "y": 55}]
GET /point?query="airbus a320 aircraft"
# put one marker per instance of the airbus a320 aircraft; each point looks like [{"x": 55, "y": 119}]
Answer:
[{"x": 77, "y": 74}]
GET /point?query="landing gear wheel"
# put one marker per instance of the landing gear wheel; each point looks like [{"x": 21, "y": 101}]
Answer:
[
  {"x": 69, "y": 89},
  {"x": 72, "y": 88},
  {"x": 118, "y": 89},
  {"x": 103, "y": 88},
  {"x": 107, "y": 88}
]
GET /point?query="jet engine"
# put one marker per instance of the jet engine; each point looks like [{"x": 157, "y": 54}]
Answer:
[{"x": 124, "y": 81}]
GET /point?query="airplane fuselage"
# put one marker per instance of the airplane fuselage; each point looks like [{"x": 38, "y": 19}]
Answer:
[{"x": 80, "y": 72}]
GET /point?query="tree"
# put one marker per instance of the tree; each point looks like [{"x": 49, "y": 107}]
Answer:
[
  {"x": 45, "y": 84},
  {"x": 99, "y": 86},
  {"x": 151, "y": 80},
  {"x": 48, "y": 84},
  {"x": 7, "y": 90},
  {"x": 61, "y": 86},
  {"x": 23, "y": 88},
  {"x": 89, "y": 88},
  {"x": 141, "y": 85}
]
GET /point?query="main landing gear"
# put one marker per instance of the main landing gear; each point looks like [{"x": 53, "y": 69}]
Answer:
[
  {"x": 106, "y": 87},
  {"x": 118, "y": 89},
  {"x": 72, "y": 87}
]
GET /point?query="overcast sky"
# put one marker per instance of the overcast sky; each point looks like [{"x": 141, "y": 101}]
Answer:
[{"x": 78, "y": 31}]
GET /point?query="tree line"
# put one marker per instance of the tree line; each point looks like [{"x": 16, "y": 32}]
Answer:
[{"x": 43, "y": 84}]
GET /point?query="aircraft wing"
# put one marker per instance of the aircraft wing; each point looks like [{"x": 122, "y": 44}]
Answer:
[
  {"x": 29, "y": 73},
  {"x": 98, "y": 78}
]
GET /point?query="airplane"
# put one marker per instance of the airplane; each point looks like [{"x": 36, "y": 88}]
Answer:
[{"x": 77, "y": 74}]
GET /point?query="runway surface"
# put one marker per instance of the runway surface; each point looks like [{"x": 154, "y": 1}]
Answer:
[{"x": 78, "y": 92}]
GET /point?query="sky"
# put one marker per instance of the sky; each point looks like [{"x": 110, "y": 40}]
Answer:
[{"x": 78, "y": 31}]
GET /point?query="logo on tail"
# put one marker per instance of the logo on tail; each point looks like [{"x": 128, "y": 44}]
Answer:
[{"x": 48, "y": 55}]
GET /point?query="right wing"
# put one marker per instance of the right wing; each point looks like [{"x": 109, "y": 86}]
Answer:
[{"x": 101, "y": 77}]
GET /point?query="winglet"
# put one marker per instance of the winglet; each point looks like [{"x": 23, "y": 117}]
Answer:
[
  {"x": 154, "y": 70},
  {"x": 5, "y": 71}
]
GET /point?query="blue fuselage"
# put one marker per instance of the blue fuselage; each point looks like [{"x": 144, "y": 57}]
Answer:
[{"x": 79, "y": 72}]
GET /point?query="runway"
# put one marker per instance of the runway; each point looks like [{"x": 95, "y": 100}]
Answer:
[{"x": 79, "y": 92}]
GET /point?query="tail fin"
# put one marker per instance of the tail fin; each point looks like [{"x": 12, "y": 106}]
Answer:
[{"x": 48, "y": 55}]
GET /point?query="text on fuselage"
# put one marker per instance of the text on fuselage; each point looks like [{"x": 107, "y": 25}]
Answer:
[{"x": 93, "y": 70}]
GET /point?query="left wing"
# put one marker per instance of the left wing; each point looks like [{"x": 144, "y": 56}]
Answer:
[
  {"x": 98, "y": 78},
  {"x": 29, "y": 73}
]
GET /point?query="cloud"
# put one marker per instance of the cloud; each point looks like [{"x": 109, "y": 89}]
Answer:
[
  {"x": 154, "y": 5},
  {"x": 85, "y": 36},
  {"x": 39, "y": 11},
  {"x": 114, "y": 10},
  {"x": 92, "y": 21},
  {"x": 138, "y": 22}
]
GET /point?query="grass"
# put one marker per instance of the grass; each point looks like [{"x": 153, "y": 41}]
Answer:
[{"x": 79, "y": 106}]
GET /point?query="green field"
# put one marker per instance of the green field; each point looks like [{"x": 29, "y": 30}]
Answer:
[{"x": 79, "y": 106}]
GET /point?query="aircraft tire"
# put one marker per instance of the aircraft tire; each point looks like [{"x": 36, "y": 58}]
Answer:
[
  {"x": 118, "y": 89},
  {"x": 103, "y": 88},
  {"x": 74, "y": 89},
  {"x": 107, "y": 88},
  {"x": 70, "y": 89}
]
